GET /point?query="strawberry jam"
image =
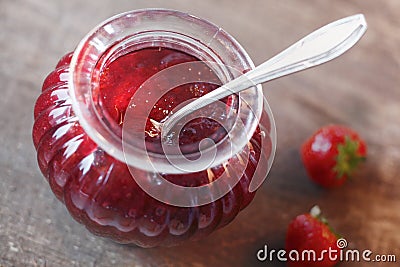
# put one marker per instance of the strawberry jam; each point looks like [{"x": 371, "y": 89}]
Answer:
[
  {"x": 99, "y": 190},
  {"x": 120, "y": 79}
]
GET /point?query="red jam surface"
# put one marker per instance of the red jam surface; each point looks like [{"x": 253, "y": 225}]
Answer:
[
  {"x": 121, "y": 78},
  {"x": 98, "y": 190}
]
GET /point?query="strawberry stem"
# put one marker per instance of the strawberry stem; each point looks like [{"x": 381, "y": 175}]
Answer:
[
  {"x": 347, "y": 158},
  {"x": 317, "y": 213}
]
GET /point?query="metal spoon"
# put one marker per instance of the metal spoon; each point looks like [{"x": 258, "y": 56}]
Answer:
[{"x": 318, "y": 47}]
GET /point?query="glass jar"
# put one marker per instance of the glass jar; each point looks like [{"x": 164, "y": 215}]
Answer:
[{"x": 120, "y": 189}]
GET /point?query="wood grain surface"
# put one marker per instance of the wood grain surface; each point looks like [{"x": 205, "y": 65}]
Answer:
[{"x": 360, "y": 89}]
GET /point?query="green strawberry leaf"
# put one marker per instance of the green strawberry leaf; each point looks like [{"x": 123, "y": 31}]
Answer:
[{"x": 347, "y": 158}]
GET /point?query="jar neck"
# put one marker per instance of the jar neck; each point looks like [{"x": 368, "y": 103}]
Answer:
[{"x": 140, "y": 29}]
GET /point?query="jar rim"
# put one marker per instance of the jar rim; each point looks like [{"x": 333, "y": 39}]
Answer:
[{"x": 93, "y": 45}]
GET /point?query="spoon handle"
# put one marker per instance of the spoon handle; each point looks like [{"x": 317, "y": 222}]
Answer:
[{"x": 318, "y": 47}]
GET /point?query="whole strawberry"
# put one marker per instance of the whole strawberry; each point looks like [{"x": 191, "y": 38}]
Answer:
[
  {"x": 331, "y": 155},
  {"x": 310, "y": 242}
]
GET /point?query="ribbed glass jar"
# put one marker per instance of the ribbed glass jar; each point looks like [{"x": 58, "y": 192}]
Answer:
[{"x": 85, "y": 159}]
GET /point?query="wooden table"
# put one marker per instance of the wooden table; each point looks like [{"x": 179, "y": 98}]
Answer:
[{"x": 361, "y": 89}]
